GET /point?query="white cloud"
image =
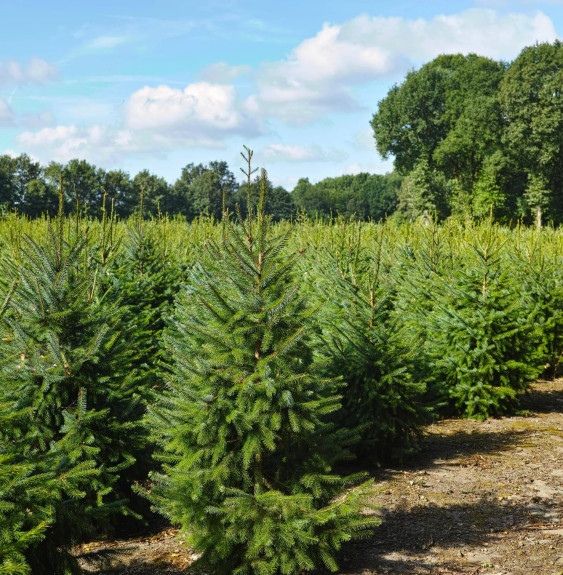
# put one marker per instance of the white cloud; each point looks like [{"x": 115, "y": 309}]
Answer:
[
  {"x": 96, "y": 143},
  {"x": 105, "y": 43},
  {"x": 35, "y": 71},
  {"x": 156, "y": 121},
  {"x": 485, "y": 32},
  {"x": 39, "y": 120},
  {"x": 200, "y": 110},
  {"x": 318, "y": 76},
  {"x": 363, "y": 140},
  {"x": 283, "y": 153},
  {"x": 372, "y": 167}
]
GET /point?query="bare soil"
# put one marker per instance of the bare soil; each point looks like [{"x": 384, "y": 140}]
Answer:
[{"x": 479, "y": 498}]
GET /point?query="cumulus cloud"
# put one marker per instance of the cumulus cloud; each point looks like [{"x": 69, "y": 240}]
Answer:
[
  {"x": 200, "y": 112},
  {"x": 485, "y": 32},
  {"x": 97, "y": 143},
  {"x": 284, "y": 153},
  {"x": 35, "y": 71},
  {"x": 318, "y": 76},
  {"x": 156, "y": 120}
]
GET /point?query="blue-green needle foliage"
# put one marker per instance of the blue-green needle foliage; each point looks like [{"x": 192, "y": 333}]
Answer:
[
  {"x": 366, "y": 347},
  {"x": 70, "y": 411},
  {"x": 483, "y": 341},
  {"x": 246, "y": 449}
]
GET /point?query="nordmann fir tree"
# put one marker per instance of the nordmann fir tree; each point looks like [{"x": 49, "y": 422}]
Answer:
[
  {"x": 147, "y": 278},
  {"x": 20, "y": 490},
  {"x": 246, "y": 450},
  {"x": 68, "y": 384}
]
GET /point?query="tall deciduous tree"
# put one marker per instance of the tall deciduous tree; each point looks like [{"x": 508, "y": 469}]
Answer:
[
  {"x": 153, "y": 190},
  {"x": 531, "y": 96},
  {"x": 445, "y": 116}
]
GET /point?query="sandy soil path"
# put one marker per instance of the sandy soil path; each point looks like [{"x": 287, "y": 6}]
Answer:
[{"x": 480, "y": 498}]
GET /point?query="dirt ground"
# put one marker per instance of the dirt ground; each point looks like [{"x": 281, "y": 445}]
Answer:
[{"x": 479, "y": 498}]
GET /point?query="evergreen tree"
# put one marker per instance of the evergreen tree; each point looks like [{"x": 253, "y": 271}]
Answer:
[
  {"x": 536, "y": 265},
  {"x": 367, "y": 347},
  {"x": 483, "y": 345},
  {"x": 22, "y": 487},
  {"x": 64, "y": 364},
  {"x": 246, "y": 448},
  {"x": 145, "y": 281}
]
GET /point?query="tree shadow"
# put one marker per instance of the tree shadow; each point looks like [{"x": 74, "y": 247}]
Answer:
[
  {"x": 441, "y": 448},
  {"x": 545, "y": 396},
  {"x": 433, "y": 538},
  {"x": 109, "y": 564},
  {"x": 403, "y": 543}
]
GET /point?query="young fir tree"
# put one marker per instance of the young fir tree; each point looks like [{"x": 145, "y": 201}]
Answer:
[
  {"x": 536, "y": 264},
  {"x": 23, "y": 486},
  {"x": 484, "y": 346},
  {"x": 422, "y": 262},
  {"x": 365, "y": 346},
  {"x": 146, "y": 281},
  {"x": 246, "y": 449},
  {"x": 64, "y": 364}
]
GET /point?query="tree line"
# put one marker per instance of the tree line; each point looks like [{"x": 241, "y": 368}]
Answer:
[
  {"x": 473, "y": 136},
  {"x": 32, "y": 189}
]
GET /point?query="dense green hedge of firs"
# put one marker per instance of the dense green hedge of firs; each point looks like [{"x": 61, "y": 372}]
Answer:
[{"x": 223, "y": 371}]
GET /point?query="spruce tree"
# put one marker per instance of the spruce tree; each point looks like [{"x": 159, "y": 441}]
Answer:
[
  {"x": 146, "y": 279},
  {"x": 65, "y": 365},
  {"x": 246, "y": 447},
  {"x": 366, "y": 346},
  {"x": 143, "y": 283},
  {"x": 483, "y": 345},
  {"x": 22, "y": 487},
  {"x": 536, "y": 264}
]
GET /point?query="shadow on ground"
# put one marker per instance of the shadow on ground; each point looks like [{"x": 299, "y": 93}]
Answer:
[
  {"x": 415, "y": 532},
  {"x": 416, "y": 539},
  {"x": 543, "y": 397}
]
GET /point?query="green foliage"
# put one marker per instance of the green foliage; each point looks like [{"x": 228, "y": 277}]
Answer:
[
  {"x": 488, "y": 199},
  {"x": 365, "y": 346},
  {"x": 69, "y": 391},
  {"x": 363, "y": 196},
  {"x": 22, "y": 488},
  {"x": 482, "y": 343},
  {"x": 246, "y": 447},
  {"x": 424, "y": 192},
  {"x": 536, "y": 264},
  {"x": 530, "y": 95}
]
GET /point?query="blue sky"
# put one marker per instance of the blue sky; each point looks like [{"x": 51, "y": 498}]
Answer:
[{"x": 157, "y": 85}]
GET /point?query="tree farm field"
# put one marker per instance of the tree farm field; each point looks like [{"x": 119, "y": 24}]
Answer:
[
  {"x": 389, "y": 392},
  {"x": 479, "y": 498}
]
